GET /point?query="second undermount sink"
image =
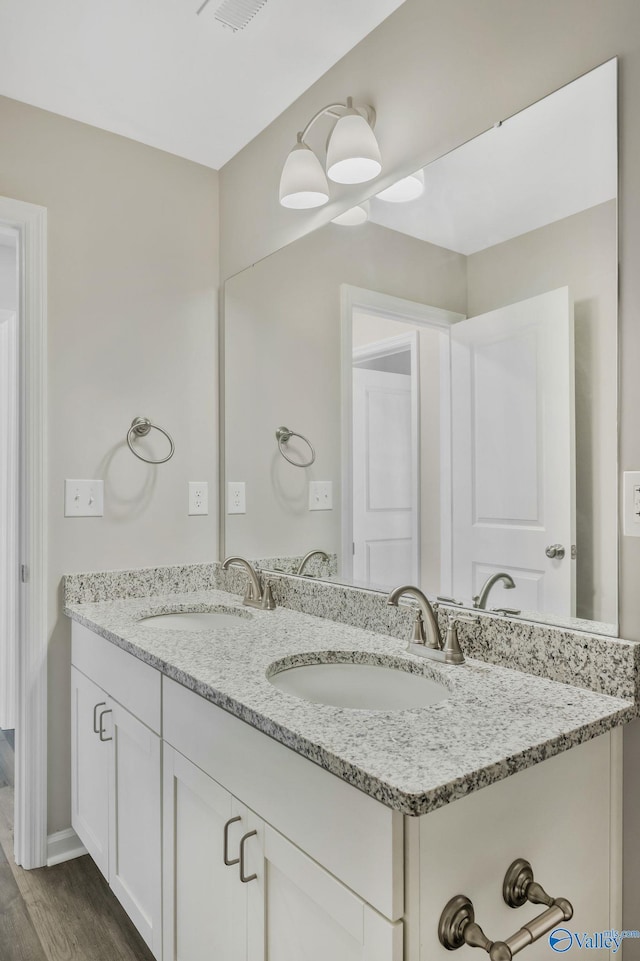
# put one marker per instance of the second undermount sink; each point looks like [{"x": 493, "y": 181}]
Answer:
[
  {"x": 195, "y": 620},
  {"x": 368, "y": 687}
]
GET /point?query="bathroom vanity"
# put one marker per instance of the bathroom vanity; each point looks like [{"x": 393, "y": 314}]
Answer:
[{"x": 235, "y": 821}]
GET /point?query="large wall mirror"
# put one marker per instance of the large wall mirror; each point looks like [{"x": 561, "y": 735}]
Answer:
[{"x": 453, "y": 363}]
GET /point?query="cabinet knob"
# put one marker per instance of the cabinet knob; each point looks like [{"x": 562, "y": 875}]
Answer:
[{"x": 245, "y": 878}]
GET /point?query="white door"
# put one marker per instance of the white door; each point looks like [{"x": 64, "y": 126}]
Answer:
[
  {"x": 9, "y": 510},
  {"x": 385, "y": 508},
  {"x": 297, "y": 910},
  {"x": 90, "y": 759},
  {"x": 135, "y": 838},
  {"x": 513, "y": 464},
  {"x": 203, "y": 898}
]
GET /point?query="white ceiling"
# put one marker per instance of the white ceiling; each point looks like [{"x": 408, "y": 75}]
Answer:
[
  {"x": 553, "y": 159},
  {"x": 154, "y": 71}
]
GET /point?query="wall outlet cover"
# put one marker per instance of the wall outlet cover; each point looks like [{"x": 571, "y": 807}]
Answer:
[
  {"x": 631, "y": 503},
  {"x": 236, "y": 497},
  {"x": 198, "y": 497},
  {"x": 83, "y": 498},
  {"x": 321, "y": 495}
]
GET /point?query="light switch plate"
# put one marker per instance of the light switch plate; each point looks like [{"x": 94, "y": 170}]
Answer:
[
  {"x": 320, "y": 495},
  {"x": 631, "y": 503},
  {"x": 236, "y": 498},
  {"x": 198, "y": 497},
  {"x": 83, "y": 498}
]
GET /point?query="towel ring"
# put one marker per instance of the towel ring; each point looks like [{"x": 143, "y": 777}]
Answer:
[
  {"x": 283, "y": 436},
  {"x": 140, "y": 427}
]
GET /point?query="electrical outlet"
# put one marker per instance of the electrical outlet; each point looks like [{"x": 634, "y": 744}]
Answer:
[
  {"x": 631, "y": 503},
  {"x": 198, "y": 497},
  {"x": 236, "y": 498},
  {"x": 83, "y": 498},
  {"x": 321, "y": 495}
]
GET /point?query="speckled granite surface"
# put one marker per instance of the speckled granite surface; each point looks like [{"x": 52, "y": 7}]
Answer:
[
  {"x": 595, "y": 662},
  {"x": 494, "y": 723}
]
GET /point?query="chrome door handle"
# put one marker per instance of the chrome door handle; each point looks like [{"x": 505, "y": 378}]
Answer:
[
  {"x": 555, "y": 550},
  {"x": 243, "y": 877},
  {"x": 101, "y": 731},
  {"x": 95, "y": 722},
  {"x": 225, "y": 834}
]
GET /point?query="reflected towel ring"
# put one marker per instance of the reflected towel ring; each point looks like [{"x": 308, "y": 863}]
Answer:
[
  {"x": 140, "y": 427},
  {"x": 283, "y": 436}
]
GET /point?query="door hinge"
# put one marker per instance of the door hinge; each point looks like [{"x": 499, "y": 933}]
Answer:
[
  {"x": 24, "y": 573},
  {"x": 353, "y": 547}
]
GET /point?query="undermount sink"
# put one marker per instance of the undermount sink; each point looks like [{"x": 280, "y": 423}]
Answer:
[
  {"x": 368, "y": 687},
  {"x": 194, "y": 620}
]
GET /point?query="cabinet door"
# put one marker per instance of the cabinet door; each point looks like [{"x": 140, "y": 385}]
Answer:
[
  {"x": 89, "y": 770},
  {"x": 297, "y": 910},
  {"x": 204, "y": 901},
  {"x": 135, "y": 839}
]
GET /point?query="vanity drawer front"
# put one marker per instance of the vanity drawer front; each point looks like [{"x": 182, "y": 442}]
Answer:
[
  {"x": 357, "y": 839},
  {"x": 129, "y": 681}
]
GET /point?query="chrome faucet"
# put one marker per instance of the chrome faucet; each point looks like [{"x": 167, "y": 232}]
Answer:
[
  {"x": 430, "y": 638},
  {"x": 480, "y": 600},
  {"x": 307, "y": 557},
  {"x": 258, "y": 593}
]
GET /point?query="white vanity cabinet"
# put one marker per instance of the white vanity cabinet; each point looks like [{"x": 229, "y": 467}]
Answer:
[
  {"x": 235, "y": 888},
  {"x": 116, "y": 775},
  {"x": 222, "y": 843}
]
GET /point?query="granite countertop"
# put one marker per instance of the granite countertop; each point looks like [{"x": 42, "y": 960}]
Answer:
[{"x": 494, "y": 723}]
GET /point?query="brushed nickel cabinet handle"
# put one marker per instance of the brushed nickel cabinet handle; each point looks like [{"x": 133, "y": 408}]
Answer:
[
  {"x": 101, "y": 731},
  {"x": 225, "y": 833},
  {"x": 458, "y": 925},
  {"x": 95, "y": 710},
  {"x": 243, "y": 877}
]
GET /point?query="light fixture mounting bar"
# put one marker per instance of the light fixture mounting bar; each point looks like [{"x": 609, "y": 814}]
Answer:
[{"x": 337, "y": 110}]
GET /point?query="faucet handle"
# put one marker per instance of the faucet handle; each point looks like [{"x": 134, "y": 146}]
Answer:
[
  {"x": 452, "y": 650},
  {"x": 417, "y": 632},
  {"x": 268, "y": 603}
]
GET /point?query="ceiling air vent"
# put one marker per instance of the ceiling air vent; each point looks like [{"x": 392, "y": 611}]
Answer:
[{"x": 236, "y": 14}]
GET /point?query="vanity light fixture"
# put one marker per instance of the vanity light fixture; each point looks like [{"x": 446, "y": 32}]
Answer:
[
  {"x": 408, "y": 188},
  {"x": 353, "y": 157},
  {"x": 353, "y": 217}
]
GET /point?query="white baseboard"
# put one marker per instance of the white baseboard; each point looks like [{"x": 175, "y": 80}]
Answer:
[{"x": 63, "y": 846}]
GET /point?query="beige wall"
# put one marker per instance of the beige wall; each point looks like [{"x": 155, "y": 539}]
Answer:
[
  {"x": 438, "y": 74},
  {"x": 578, "y": 252},
  {"x": 133, "y": 260},
  {"x": 282, "y": 367}
]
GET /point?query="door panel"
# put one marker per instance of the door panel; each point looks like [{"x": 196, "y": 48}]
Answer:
[
  {"x": 204, "y": 901},
  {"x": 134, "y": 822},
  {"x": 89, "y": 770},
  {"x": 299, "y": 910},
  {"x": 513, "y": 452}
]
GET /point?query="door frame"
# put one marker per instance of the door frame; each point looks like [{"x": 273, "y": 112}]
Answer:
[
  {"x": 403, "y": 343},
  {"x": 9, "y": 513},
  {"x": 405, "y": 311},
  {"x": 30, "y": 832}
]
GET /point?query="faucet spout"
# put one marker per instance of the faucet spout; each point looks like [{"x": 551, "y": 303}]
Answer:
[
  {"x": 433, "y": 638},
  {"x": 257, "y": 595},
  {"x": 480, "y": 600},
  {"x": 307, "y": 557}
]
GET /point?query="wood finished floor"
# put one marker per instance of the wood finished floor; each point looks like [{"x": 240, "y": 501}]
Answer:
[{"x": 62, "y": 913}]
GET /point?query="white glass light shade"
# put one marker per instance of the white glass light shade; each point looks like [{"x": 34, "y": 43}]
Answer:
[
  {"x": 353, "y": 217},
  {"x": 409, "y": 188},
  {"x": 353, "y": 155},
  {"x": 303, "y": 183}
]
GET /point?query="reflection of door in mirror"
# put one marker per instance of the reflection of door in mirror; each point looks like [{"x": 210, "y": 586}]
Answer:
[
  {"x": 513, "y": 466},
  {"x": 386, "y": 427}
]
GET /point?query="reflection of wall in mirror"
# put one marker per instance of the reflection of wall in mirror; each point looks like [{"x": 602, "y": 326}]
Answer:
[
  {"x": 579, "y": 252},
  {"x": 282, "y": 366}
]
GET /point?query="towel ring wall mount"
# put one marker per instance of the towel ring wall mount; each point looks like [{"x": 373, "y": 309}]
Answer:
[
  {"x": 283, "y": 436},
  {"x": 140, "y": 427}
]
